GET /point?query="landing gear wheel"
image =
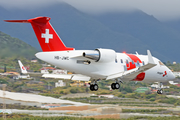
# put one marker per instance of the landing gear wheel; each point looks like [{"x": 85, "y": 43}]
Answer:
[
  {"x": 113, "y": 86},
  {"x": 92, "y": 87},
  {"x": 95, "y": 87},
  {"x": 117, "y": 85},
  {"x": 159, "y": 91}
]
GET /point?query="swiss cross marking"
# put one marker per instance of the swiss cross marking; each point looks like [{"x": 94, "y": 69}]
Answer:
[{"x": 47, "y": 36}]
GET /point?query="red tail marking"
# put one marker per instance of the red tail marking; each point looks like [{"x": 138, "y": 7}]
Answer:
[{"x": 46, "y": 35}]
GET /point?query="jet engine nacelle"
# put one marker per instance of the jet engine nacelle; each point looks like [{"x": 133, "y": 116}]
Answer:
[{"x": 101, "y": 55}]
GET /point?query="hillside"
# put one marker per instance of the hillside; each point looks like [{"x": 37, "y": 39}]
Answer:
[
  {"x": 121, "y": 31},
  {"x": 13, "y": 47}
]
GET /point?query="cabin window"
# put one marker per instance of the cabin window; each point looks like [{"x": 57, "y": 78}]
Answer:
[
  {"x": 121, "y": 61},
  {"x": 143, "y": 62},
  {"x": 137, "y": 64},
  {"x": 127, "y": 62},
  {"x": 116, "y": 61}
]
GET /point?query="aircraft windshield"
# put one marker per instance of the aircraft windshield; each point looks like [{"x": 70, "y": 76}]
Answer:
[{"x": 161, "y": 63}]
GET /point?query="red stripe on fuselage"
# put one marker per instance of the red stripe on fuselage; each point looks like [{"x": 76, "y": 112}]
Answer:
[
  {"x": 135, "y": 59},
  {"x": 130, "y": 66}
]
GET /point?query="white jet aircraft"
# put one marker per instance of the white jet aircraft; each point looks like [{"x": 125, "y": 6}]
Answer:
[
  {"x": 23, "y": 69},
  {"x": 98, "y": 64}
]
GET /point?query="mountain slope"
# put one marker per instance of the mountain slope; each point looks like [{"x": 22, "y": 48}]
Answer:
[
  {"x": 13, "y": 47},
  {"x": 149, "y": 30},
  {"x": 122, "y": 31},
  {"x": 76, "y": 29}
]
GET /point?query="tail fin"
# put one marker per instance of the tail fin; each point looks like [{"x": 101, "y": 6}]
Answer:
[
  {"x": 46, "y": 35},
  {"x": 23, "y": 69}
]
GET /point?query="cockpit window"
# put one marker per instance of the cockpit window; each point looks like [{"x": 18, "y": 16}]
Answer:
[{"x": 161, "y": 63}]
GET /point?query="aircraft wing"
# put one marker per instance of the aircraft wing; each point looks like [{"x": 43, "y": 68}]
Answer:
[
  {"x": 60, "y": 76},
  {"x": 78, "y": 77},
  {"x": 131, "y": 74}
]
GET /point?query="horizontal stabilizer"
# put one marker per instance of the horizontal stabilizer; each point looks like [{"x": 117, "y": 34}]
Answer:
[
  {"x": 45, "y": 33},
  {"x": 17, "y": 21}
]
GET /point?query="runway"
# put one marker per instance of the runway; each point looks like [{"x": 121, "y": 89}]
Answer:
[{"x": 26, "y": 97}]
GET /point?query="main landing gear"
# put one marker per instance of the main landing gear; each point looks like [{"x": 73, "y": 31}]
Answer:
[
  {"x": 94, "y": 86},
  {"x": 115, "y": 86}
]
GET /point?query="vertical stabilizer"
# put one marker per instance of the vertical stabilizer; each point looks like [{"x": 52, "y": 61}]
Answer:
[{"x": 45, "y": 33}]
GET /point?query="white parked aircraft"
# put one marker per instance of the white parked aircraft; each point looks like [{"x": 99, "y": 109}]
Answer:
[
  {"x": 78, "y": 77},
  {"x": 23, "y": 69},
  {"x": 98, "y": 64}
]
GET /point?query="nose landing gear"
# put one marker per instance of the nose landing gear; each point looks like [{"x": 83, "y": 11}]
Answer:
[
  {"x": 160, "y": 91},
  {"x": 94, "y": 86}
]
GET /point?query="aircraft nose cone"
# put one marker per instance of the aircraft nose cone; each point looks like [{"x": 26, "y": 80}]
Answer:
[{"x": 172, "y": 76}]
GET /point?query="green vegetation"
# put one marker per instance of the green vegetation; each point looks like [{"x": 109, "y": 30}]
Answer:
[
  {"x": 13, "y": 47},
  {"x": 22, "y": 107},
  {"x": 29, "y": 117},
  {"x": 174, "y": 67},
  {"x": 152, "y": 111},
  {"x": 12, "y": 65}
]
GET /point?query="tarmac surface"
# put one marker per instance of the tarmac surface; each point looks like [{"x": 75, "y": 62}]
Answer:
[{"x": 33, "y": 98}]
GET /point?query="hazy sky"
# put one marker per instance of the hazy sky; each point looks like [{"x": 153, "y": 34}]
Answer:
[{"x": 161, "y": 9}]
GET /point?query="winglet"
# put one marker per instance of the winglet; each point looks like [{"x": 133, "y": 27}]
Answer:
[
  {"x": 150, "y": 58},
  {"x": 23, "y": 69}
]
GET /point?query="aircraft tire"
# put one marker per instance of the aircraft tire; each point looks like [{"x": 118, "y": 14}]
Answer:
[
  {"x": 95, "y": 87},
  {"x": 92, "y": 87},
  {"x": 113, "y": 86},
  {"x": 159, "y": 91},
  {"x": 117, "y": 85}
]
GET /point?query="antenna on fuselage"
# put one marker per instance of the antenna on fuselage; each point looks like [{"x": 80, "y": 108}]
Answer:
[{"x": 137, "y": 53}]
